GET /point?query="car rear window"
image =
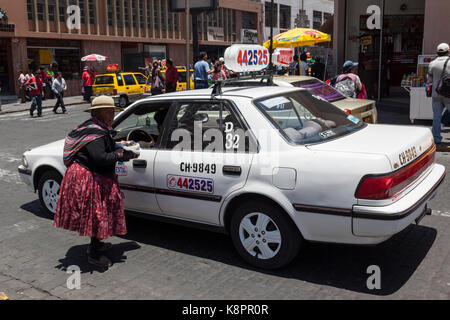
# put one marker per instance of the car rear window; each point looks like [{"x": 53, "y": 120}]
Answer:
[
  {"x": 104, "y": 80},
  {"x": 320, "y": 89},
  {"x": 302, "y": 117}
]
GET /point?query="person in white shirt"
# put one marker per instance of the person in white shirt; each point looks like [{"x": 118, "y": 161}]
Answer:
[
  {"x": 59, "y": 86},
  {"x": 22, "y": 89},
  {"x": 440, "y": 103}
]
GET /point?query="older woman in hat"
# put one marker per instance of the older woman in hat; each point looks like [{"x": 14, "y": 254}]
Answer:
[{"x": 89, "y": 200}]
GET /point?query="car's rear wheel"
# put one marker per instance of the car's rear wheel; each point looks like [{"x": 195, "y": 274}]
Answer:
[
  {"x": 264, "y": 235},
  {"x": 48, "y": 190},
  {"x": 123, "y": 101}
]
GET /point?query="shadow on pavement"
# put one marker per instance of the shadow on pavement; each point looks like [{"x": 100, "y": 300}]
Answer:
[
  {"x": 340, "y": 266},
  {"x": 76, "y": 255}
]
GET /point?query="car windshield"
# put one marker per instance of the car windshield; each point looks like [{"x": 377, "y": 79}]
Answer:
[
  {"x": 304, "y": 118},
  {"x": 104, "y": 80},
  {"x": 321, "y": 89}
]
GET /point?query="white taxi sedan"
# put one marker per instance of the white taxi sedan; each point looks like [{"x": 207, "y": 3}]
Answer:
[{"x": 271, "y": 166}]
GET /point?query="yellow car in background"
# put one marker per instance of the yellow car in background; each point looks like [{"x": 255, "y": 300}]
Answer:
[
  {"x": 181, "y": 85},
  {"x": 123, "y": 87}
]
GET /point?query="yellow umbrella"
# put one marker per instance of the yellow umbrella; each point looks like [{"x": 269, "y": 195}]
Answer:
[{"x": 298, "y": 37}]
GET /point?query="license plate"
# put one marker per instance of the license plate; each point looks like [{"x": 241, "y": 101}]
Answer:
[
  {"x": 368, "y": 119},
  {"x": 190, "y": 184}
]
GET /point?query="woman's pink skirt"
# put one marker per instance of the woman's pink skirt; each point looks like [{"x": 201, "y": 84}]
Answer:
[{"x": 90, "y": 204}]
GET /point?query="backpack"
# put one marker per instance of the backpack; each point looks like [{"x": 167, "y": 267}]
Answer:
[
  {"x": 346, "y": 87},
  {"x": 443, "y": 87}
]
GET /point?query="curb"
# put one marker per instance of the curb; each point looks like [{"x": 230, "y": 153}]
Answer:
[{"x": 43, "y": 107}]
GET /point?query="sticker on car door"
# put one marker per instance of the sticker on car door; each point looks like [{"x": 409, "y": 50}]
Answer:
[{"x": 193, "y": 184}]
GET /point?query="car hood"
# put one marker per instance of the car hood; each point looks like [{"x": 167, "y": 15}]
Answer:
[
  {"x": 53, "y": 148},
  {"x": 400, "y": 144}
]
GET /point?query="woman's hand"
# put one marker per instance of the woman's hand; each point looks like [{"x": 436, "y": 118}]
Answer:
[{"x": 120, "y": 154}]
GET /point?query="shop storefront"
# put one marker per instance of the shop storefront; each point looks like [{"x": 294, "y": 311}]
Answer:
[
  {"x": 5, "y": 86},
  {"x": 64, "y": 56},
  {"x": 384, "y": 64}
]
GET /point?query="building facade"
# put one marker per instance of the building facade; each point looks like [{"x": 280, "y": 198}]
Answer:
[
  {"x": 289, "y": 14},
  {"x": 386, "y": 37},
  {"x": 128, "y": 32}
]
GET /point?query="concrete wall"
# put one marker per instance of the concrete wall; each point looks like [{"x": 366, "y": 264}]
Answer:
[{"x": 437, "y": 17}]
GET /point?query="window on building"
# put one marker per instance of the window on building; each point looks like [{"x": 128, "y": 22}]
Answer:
[
  {"x": 126, "y": 17},
  {"x": 69, "y": 63},
  {"x": 163, "y": 15},
  {"x": 62, "y": 10},
  {"x": 40, "y": 10},
  {"x": 170, "y": 21},
  {"x": 176, "y": 22},
  {"x": 110, "y": 12},
  {"x": 155, "y": 13},
  {"x": 317, "y": 19},
  {"x": 248, "y": 20},
  {"x": 30, "y": 9},
  {"x": 134, "y": 12},
  {"x": 141, "y": 14},
  {"x": 326, "y": 16},
  {"x": 285, "y": 16},
  {"x": 267, "y": 13},
  {"x": 119, "y": 14},
  {"x": 92, "y": 10},
  {"x": 149, "y": 15},
  {"x": 82, "y": 11},
  {"x": 51, "y": 10}
]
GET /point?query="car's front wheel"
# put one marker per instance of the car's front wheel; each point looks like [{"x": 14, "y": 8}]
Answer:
[
  {"x": 264, "y": 235},
  {"x": 48, "y": 190}
]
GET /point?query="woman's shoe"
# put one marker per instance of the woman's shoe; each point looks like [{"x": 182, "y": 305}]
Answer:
[
  {"x": 101, "y": 261},
  {"x": 102, "y": 247}
]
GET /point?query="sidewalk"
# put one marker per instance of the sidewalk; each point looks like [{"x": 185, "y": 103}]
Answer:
[{"x": 46, "y": 104}]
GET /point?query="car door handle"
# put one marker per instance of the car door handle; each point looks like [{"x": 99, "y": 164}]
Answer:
[
  {"x": 139, "y": 163},
  {"x": 232, "y": 170}
]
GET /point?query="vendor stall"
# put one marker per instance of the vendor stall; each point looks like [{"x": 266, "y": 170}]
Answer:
[{"x": 420, "y": 104}]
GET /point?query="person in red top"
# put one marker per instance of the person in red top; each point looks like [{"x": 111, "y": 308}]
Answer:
[
  {"x": 171, "y": 77},
  {"x": 88, "y": 78},
  {"x": 34, "y": 84}
]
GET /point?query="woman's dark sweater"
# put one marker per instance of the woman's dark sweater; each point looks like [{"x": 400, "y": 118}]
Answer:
[{"x": 99, "y": 156}]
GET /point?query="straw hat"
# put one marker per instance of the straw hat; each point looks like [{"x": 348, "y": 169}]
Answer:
[{"x": 102, "y": 102}]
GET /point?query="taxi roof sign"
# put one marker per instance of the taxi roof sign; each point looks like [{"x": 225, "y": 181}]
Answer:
[{"x": 246, "y": 57}]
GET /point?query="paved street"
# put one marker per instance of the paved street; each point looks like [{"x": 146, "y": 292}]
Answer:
[{"x": 162, "y": 261}]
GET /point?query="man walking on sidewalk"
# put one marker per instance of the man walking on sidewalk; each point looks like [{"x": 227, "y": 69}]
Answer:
[
  {"x": 88, "y": 80},
  {"x": 22, "y": 88},
  {"x": 35, "y": 86},
  {"x": 435, "y": 72},
  {"x": 58, "y": 88}
]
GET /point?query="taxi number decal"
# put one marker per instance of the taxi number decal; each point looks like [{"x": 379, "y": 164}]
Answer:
[
  {"x": 121, "y": 169},
  {"x": 190, "y": 184},
  {"x": 252, "y": 57},
  {"x": 407, "y": 155},
  {"x": 198, "y": 167}
]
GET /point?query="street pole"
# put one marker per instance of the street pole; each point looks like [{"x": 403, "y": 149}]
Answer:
[
  {"x": 380, "y": 63},
  {"x": 195, "y": 35},
  {"x": 188, "y": 68},
  {"x": 271, "y": 36}
]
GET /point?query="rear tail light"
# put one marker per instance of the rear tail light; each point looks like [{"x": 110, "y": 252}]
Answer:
[
  {"x": 347, "y": 111},
  {"x": 387, "y": 186},
  {"x": 115, "y": 92}
]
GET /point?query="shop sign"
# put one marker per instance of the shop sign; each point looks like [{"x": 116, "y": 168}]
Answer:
[
  {"x": 282, "y": 57},
  {"x": 3, "y": 16},
  {"x": 215, "y": 34},
  {"x": 374, "y": 20},
  {"x": 249, "y": 36},
  {"x": 366, "y": 40}
]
